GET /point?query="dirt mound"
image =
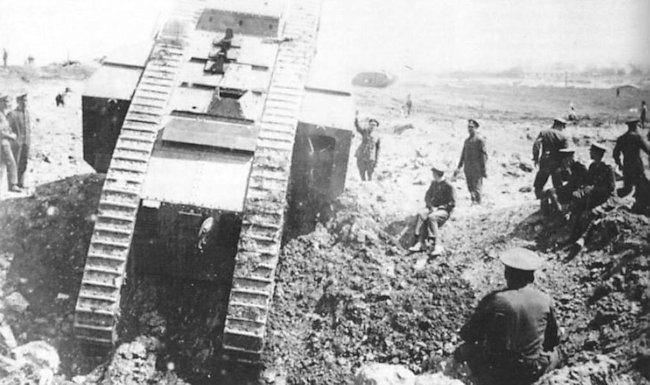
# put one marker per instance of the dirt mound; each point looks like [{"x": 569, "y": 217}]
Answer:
[
  {"x": 348, "y": 294},
  {"x": 347, "y": 297},
  {"x": 44, "y": 239},
  {"x": 133, "y": 363}
]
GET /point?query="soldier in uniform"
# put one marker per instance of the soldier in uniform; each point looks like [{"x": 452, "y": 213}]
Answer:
[
  {"x": 7, "y": 140},
  {"x": 408, "y": 105},
  {"x": 513, "y": 337},
  {"x": 21, "y": 125},
  {"x": 598, "y": 194},
  {"x": 630, "y": 146},
  {"x": 368, "y": 152},
  {"x": 574, "y": 174},
  {"x": 440, "y": 200},
  {"x": 473, "y": 157},
  {"x": 546, "y": 156}
]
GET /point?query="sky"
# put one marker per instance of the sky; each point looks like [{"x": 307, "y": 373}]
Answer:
[{"x": 427, "y": 35}]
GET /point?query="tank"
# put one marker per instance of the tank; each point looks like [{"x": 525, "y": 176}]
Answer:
[{"x": 209, "y": 138}]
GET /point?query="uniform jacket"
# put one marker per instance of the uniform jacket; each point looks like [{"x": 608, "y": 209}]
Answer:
[
  {"x": 601, "y": 180},
  {"x": 474, "y": 156},
  {"x": 630, "y": 145},
  {"x": 369, "y": 148},
  {"x": 20, "y": 123},
  {"x": 575, "y": 178},
  {"x": 513, "y": 326},
  {"x": 548, "y": 144},
  {"x": 5, "y": 129},
  {"x": 441, "y": 194}
]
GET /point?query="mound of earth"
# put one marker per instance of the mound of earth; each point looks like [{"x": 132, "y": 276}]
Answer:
[{"x": 348, "y": 294}]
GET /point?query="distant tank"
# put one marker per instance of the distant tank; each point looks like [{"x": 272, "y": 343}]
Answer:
[
  {"x": 373, "y": 79},
  {"x": 205, "y": 137}
]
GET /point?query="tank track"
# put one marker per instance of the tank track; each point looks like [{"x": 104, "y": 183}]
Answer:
[
  {"x": 266, "y": 198},
  {"x": 97, "y": 311}
]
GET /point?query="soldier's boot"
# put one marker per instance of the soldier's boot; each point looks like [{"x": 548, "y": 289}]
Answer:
[
  {"x": 544, "y": 207},
  {"x": 438, "y": 249},
  {"x": 15, "y": 188},
  {"x": 416, "y": 247}
]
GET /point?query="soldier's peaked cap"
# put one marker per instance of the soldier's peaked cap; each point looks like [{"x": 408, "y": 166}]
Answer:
[
  {"x": 521, "y": 259},
  {"x": 560, "y": 121},
  {"x": 632, "y": 122},
  {"x": 373, "y": 121},
  {"x": 437, "y": 170},
  {"x": 21, "y": 96},
  {"x": 597, "y": 147},
  {"x": 473, "y": 123}
]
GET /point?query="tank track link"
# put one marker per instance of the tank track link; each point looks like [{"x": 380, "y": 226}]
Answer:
[
  {"x": 266, "y": 199},
  {"x": 97, "y": 311}
]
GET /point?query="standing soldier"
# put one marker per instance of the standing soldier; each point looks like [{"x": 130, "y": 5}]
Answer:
[
  {"x": 546, "y": 155},
  {"x": 408, "y": 105},
  {"x": 644, "y": 114},
  {"x": 473, "y": 158},
  {"x": 21, "y": 125},
  {"x": 440, "y": 201},
  {"x": 5, "y": 56},
  {"x": 7, "y": 139},
  {"x": 630, "y": 145},
  {"x": 368, "y": 152}
]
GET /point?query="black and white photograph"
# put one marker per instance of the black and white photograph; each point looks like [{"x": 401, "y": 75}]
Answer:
[{"x": 306, "y": 192}]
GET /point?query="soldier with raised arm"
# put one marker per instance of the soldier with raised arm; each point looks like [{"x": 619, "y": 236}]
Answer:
[{"x": 368, "y": 151}]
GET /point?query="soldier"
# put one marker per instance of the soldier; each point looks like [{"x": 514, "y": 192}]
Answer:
[
  {"x": 440, "y": 201},
  {"x": 513, "y": 337},
  {"x": 599, "y": 192},
  {"x": 575, "y": 175},
  {"x": 5, "y": 56},
  {"x": 644, "y": 114},
  {"x": 547, "y": 157},
  {"x": 7, "y": 139},
  {"x": 60, "y": 98},
  {"x": 473, "y": 157},
  {"x": 368, "y": 152},
  {"x": 408, "y": 105},
  {"x": 20, "y": 122},
  {"x": 630, "y": 145}
]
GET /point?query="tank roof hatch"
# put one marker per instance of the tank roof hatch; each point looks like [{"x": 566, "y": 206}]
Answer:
[{"x": 211, "y": 133}]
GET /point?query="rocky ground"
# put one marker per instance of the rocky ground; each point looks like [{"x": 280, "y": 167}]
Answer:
[{"x": 347, "y": 293}]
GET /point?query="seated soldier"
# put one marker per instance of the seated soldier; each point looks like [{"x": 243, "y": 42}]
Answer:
[
  {"x": 574, "y": 175},
  {"x": 440, "y": 200},
  {"x": 598, "y": 194},
  {"x": 513, "y": 337}
]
